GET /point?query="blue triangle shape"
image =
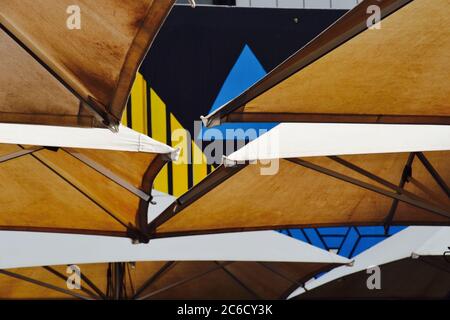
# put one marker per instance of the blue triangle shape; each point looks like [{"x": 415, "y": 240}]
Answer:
[{"x": 246, "y": 71}]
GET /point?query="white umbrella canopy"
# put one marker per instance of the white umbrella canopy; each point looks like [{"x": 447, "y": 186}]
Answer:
[
  {"x": 234, "y": 265},
  {"x": 419, "y": 248}
]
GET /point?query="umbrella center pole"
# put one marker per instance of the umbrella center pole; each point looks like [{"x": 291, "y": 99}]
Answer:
[{"x": 116, "y": 281}]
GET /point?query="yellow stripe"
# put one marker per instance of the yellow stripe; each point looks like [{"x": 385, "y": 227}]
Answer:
[
  {"x": 180, "y": 167},
  {"x": 159, "y": 132},
  {"x": 181, "y": 139},
  {"x": 199, "y": 164},
  {"x": 139, "y": 104},
  {"x": 125, "y": 118}
]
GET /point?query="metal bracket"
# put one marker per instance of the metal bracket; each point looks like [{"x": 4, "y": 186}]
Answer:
[
  {"x": 192, "y": 3},
  {"x": 439, "y": 180},
  {"x": 18, "y": 154}
]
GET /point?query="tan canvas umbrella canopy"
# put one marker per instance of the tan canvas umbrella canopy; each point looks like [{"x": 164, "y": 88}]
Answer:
[
  {"x": 318, "y": 191},
  {"x": 72, "y": 188},
  {"x": 65, "y": 72},
  {"x": 166, "y": 280},
  {"x": 396, "y": 74},
  {"x": 268, "y": 271}
]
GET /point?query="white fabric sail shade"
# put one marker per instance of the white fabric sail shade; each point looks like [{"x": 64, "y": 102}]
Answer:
[
  {"x": 125, "y": 139},
  {"x": 289, "y": 140},
  {"x": 29, "y": 249}
]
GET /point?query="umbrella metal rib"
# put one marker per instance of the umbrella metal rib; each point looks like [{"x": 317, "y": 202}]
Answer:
[
  {"x": 405, "y": 177},
  {"x": 434, "y": 173},
  {"x": 178, "y": 283},
  {"x": 108, "y": 174},
  {"x": 199, "y": 190},
  {"x": 19, "y": 154},
  {"x": 402, "y": 197},
  {"x": 64, "y": 278},
  {"x": 44, "y": 284},
  {"x": 153, "y": 278},
  {"x": 238, "y": 281},
  {"x": 79, "y": 190}
]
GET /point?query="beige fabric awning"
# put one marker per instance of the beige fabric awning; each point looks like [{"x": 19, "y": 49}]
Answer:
[
  {"x": 349, "y": 73},
  {"x": 83, "y": 191},
  {"x": 51, "y": 74},
  {"x": 395, "y": 188},
  {"x": 164, "y": 280}
]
